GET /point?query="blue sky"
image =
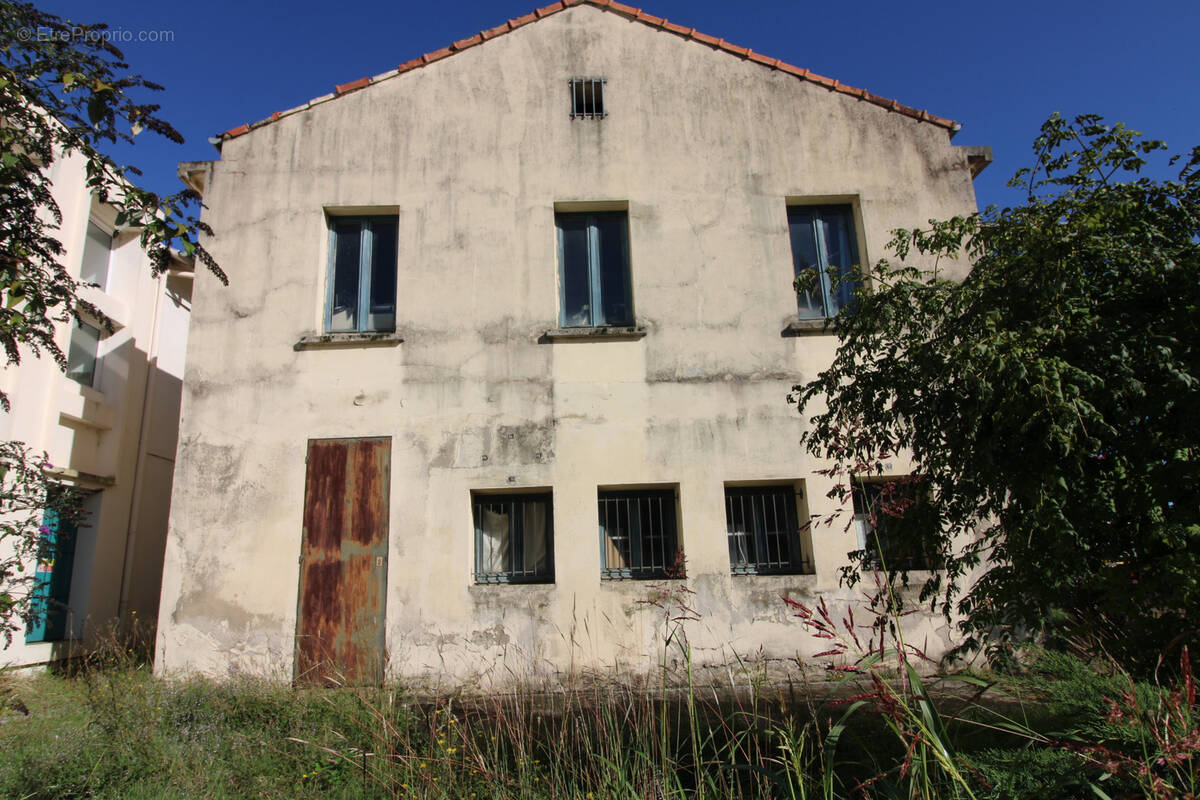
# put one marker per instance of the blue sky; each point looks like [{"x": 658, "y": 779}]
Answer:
[{"x": 997, "y": 68}]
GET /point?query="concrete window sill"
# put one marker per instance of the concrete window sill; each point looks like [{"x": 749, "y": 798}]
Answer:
[
  {"x": 602, "y": 333},
  {"x": 318, "y": 341},
  {"x": 810, "y": 327}
]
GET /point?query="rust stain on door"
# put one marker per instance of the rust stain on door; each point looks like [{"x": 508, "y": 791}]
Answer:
[{"x": 343, "y": 567}]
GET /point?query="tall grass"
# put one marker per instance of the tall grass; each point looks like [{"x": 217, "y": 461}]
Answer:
[{"x": 1060, "y": 728}]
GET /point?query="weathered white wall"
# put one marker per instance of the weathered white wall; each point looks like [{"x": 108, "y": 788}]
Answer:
[
  {"x": 473, "y": 152},
  {"x": 102, "y": 437}
]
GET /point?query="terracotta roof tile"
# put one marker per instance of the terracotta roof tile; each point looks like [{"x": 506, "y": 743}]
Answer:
[
  {"x": 635, "y": 14},
  {"x": 351, "y": 86}
]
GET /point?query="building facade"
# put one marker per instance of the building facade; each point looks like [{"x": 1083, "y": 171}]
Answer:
[
  {"x": 109, "y": 427},
  {"x": 505, "y": 354}
]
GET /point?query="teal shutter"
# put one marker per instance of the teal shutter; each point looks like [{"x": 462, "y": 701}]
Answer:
[{"x": 52, "y": 580}]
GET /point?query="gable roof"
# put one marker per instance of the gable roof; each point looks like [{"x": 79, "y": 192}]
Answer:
[{"x": 626, "y": 11}]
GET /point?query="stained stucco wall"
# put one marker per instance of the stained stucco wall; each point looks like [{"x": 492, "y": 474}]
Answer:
[{"x": 472, "y": 154}]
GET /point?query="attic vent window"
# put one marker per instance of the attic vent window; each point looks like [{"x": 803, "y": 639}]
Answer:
[{"x": 587, "y": 98}]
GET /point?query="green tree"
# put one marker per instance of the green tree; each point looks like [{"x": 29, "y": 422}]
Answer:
[
  {"x": 1050, "y": 400},
  {"x": 64, "y": 89}
]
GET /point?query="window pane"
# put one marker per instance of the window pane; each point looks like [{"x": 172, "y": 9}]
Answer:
[
  {"x": 837, "y": 234},
  {"x": 494, "y": 541},
  {"x": 889, "y": 519},
  {"x": 741, "y": 539},
  {"x": 764, "y": 536},
  {"x": 573, "y": 246},
  {"x": 513, "y": 539},
  {"x": 613, "y": 233},
  {"x": 347, "y": 246},
  {"x": 578, "y": 106},
  {"x": 383, "y": 276},
  {"x": 81, "y": 356},
  {"x": 804, "y": 257},
  {"x": 637, "y": 534},
  {"x": 97, "y": 247},
  {"x": 533, "y": 543}
]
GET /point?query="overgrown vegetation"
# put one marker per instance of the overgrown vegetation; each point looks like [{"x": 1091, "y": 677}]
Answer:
[
  {"x": 1050, "y": 401},
  {"x": 874, "y": 726}
]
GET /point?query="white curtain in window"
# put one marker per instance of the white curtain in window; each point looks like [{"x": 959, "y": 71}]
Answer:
[
  {"x": 535, "y": 537},
  {"x": 863, "y": 530},
  {"x": 494, "y": 544},
  {"x": 739, "y": 543}
]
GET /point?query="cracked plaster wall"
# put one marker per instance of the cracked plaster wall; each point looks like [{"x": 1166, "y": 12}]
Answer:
[{"x": 472, "y": 153}]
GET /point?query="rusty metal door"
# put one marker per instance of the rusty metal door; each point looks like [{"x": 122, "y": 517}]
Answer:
[{"x": 343, "y": 562}]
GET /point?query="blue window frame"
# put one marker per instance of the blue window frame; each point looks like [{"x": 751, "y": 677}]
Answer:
[
  {"x": 362, "y": 274},
  {"x": 638, "y": 534},
  {"x": 823, "y": 240},
  {"x": 593, "y": 258},
  {"x": 514, "y": 538},
  {"x": 763, "y": 531}
]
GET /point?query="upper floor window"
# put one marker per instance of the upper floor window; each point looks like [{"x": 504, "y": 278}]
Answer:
[
  {"x": 824, "y": 242},
  {"x": 513, "y": 538},
  {"x": 97, "y": 250},
  {"x": 587, "y": 98},
  {"x": 362, "y": 274},
  {"x": 764, "y": 535},
  {"x": 83, "y": 353},
  {"x": 593, "y": 258},
  {"x": 638, "y": 534}
]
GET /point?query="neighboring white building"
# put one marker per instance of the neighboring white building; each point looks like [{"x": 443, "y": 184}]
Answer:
[
  {"x": 109, "y": 426},
  {"x": 511, "y": 331}
]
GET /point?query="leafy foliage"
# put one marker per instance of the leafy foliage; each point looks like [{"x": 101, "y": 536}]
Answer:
[
  {"x": 65, "y": 92},
  {"x": 1049, "y": 400}
]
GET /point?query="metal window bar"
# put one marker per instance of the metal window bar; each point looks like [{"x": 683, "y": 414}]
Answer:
[
  {"x": 884, "y": 531},
  {"x": 638, "y": 534},
  {"x": 526, "y": 560},
  {"x": 587, "y": 98},
  {"x": 764, "y": 537}
]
